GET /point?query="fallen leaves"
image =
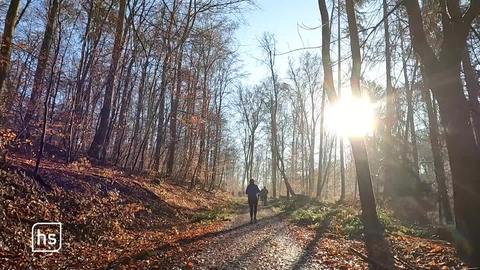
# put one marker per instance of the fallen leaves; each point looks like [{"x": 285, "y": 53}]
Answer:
[
  {"x": 332, "y": 251},
  {"x": 107, "y": 215},
  {"x": 436, "y": 249}
]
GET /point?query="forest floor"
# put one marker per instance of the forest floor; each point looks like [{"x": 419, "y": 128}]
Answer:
[
  {"x": 112, "y": 220},
  {"x": 276, "y": 241}
]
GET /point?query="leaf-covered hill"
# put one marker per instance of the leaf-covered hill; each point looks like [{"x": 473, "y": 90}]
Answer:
[{"x": 105, "y": 213}]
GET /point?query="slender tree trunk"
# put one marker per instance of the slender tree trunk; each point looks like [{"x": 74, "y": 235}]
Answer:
[
  {"x": 411, "y": 128},
  {"x": 302, "y": 152},
  {"x": 137, "y": 127},
  {"x": 328, "y": 158},
  {"x": 438, "y": 162},
  {"x": 281, "y": 168},
  {"x": 125, "y": 102},
  {"x": 320, "y": 148},
  {"x": 161, "y": 115},
  {"x": 217, "y": 137},
  {"x": 45, "y": 107},
  {"x": 6, "y": 44},
  {"x": 410, "y": 125},
  {"x": 473, "y": 90},
  {"x": 101, "y": 133},
  {"x": 294, "y": 148},
  {"x": 273, "y": 146},
  {"x": 311, "y": 165},
  {"x": 377, "y": 245},
  {"x": 342, "y": 158},
  {"x": 41, "y": 66},
  {"x": 328, "y": 85},
  {"x": 173, "y": 116},
  {"x": 388, "y": 144}
]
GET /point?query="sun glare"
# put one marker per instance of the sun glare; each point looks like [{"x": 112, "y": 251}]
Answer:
[{"x": 351, "y": 117}]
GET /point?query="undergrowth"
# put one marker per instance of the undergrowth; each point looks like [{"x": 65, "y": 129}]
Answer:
[
  {"x": 221, "y": 214},
  {"x": 345, "y": 219}
]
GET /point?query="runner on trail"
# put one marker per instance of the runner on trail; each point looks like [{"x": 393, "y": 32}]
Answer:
[
  {"x": 264, "y": 193},
  {"x": 252, "y": 192}
]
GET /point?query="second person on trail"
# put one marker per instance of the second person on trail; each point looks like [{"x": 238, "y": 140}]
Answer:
[
  {"x": 252, "y": 192},
  {"x": 264, "y": 195}
]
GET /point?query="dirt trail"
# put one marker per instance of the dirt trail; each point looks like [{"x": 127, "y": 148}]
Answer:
[
  {"x": 275, "y": 243},
  {"x": 267, "y": 244}
]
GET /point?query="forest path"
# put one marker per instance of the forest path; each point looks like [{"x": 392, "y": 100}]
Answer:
[{"x": 267, "y": 244}]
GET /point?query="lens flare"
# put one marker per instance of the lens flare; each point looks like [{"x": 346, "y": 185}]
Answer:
[{"x": 351, "y": 117}]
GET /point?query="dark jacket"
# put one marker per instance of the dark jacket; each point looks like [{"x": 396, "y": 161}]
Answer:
[
  {"x": 252, "y": 191},
  {"x": 264, "y": 192}
]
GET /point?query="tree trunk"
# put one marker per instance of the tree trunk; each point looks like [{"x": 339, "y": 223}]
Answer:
[
  {"x": 339, "y": 82},
  {"x": 438, "y": 163},
  {"x": 328, "y": 85},
  {"x": 320, "y": 149},
  {"x": 473, "y": 90},
  {"x": 173, "y": 115},
  {"x": 388, "y": 144},
  {"x": 442, "y": 76},
  {"x": 137, "y": 126},
  {"x": 101, "y": 133},
  {"x": 328, "y": 158},
  {"x": 273, "y": 146},
  {"x": 410, "y": 123},
  {"x": 6, "y": 44},
  {"x": 125, "y": 102},
  {"x": 377, "y": 245},
  {"x": 464, "y": 159},
  {"x": 311, "y": 166},
  {"x": 161, "y": 118},
  {"x": 45, "y": 107},
  {"x": 281, "y": 167},
  {"x": 40, "y": 71}
]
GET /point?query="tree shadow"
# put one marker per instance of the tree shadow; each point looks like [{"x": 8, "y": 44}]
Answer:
[
  {"x": 231, "y": 232},
  {"x": 249, "y": 254},
  {"x": 308, "y": 252},
  {"x": 380, "y": 255}
]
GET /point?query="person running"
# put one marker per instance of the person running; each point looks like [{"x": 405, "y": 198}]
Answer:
[
  {"x": 252, "y": 192},
  {"x": 264, "y": 194}
]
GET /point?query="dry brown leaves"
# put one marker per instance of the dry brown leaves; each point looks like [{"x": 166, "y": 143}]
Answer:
[
  {"x": 334, "y": 251},
  {"x": 107, "y": 215}
]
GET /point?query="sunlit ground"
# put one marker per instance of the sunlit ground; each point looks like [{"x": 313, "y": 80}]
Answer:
[{"x": 351, "y": 117}]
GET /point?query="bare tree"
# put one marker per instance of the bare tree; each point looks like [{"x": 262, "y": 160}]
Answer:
[
  {"x": 100, "y": 137},
  {"x": 267, "y": 43},
  {"x": 373, "y": 229},
  {"x": 40, "y": 70}
]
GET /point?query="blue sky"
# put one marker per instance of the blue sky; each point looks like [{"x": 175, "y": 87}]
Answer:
[{"x": 282, "y": 18}]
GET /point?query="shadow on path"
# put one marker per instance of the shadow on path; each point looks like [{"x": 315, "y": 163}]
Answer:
[
  {"x": 249, "y": 254},
  {"x": 231, "y": 232},
  {"x": 378, "y": 248}
]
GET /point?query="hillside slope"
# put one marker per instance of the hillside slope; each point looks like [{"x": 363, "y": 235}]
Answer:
[{"x": 106, "y": 214}]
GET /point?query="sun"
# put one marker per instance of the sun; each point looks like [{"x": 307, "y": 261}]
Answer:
[{"x": 351, "y": 117}]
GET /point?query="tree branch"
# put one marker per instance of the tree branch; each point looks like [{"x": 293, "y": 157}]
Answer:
[
  {"x": 419, "y": 40},
  {"x": 472, "y": 12}
]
